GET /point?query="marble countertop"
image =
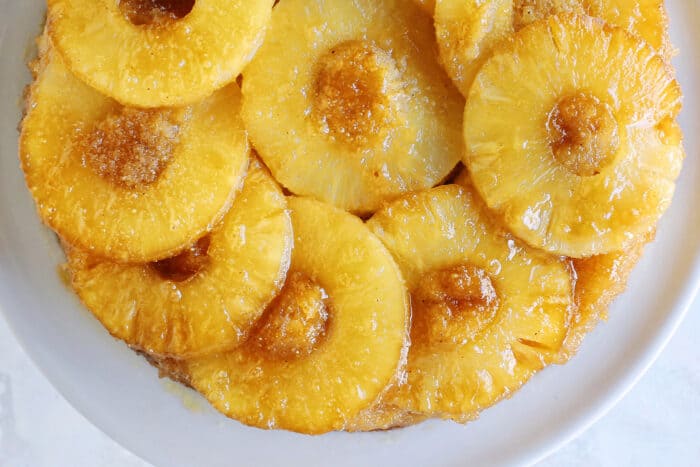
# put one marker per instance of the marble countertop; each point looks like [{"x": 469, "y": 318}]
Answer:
[{"x": 658, "y": 423}]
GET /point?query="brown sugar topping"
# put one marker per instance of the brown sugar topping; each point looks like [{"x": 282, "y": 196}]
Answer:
[
  {"x": 453, "y": 305},
  {"x": 131, "y": 147},
  {"x": 294, "y": 324},
  {"x": 155, "y": 12},
  {"x": 187, "y": 264},
  {"x": 583, "y": 134},
  {"x": 356, "y": 90}
]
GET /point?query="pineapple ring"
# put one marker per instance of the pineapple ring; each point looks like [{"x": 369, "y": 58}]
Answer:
[
  {"x": 468, "y": 30},
  {"x": 509, "y": 335},
  {"x": 203, "y": 302},
  {"x": 621, "y": 135},
  {"x": 141, "y": 213},
  {"x": 169, "y": 62},
  {"x": 361, "y": 350},
  {"x": 362, "y": 98}
]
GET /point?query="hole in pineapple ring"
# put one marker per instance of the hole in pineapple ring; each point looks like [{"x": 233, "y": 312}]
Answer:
[
  {"x": 155, "y": 12},
  {"x": 187, "y": 264},
  {"x": 294, "y": 324},
  {"x": 131, "y": 147},
  {"x": 356, "y": 91},
  {"x": 453, "y": 305},
  {"x": 583, "y": 134}
]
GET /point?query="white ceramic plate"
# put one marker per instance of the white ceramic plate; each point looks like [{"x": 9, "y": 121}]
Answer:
[{"x": 121, "y": 394}]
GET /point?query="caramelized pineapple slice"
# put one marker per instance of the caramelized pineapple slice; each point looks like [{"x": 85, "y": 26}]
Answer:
[
  {"x": 329, "y": 344},
  {"x": 468, "y": 30},
  {"x": 488, "y": 311},
  {"x": 127, "y": 184},
  {"x": 205, "y": 299},
  {"x": 580, "y": 157},
  {"x": 360, "y": 110},
  {"x": 599, "y": 280},
  {"x": 152, "y": 53}
]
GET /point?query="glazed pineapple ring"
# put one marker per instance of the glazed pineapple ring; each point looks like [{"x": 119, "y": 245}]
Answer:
[
  {"x": 360, "y": 111},
  {"x": 488, "y": 311},
  {"x": 128, "y": 184},
  {"x": 581, "y": 157},
  {"x": 205, "y": 299},
  {"x": 152, "y": 53},
  {"x": 330, "y": 343},
  {"x": 468, "y": 30}
]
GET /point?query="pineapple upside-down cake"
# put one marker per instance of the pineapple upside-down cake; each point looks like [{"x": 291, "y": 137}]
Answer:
[{"x": 330, "y": 215}]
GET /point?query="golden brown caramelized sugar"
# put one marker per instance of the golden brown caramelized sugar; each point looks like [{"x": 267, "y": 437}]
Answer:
[
  {"x": 295, "y": 322},
  {"x": 355, "y": 90},
  {"x": 131, "y": 147},
  {"x": 454, "y": 304},
  {"x": 583, "y": 134},
  {"x": 148, "y": 12},
  {"x": 187, "y": 264},
  {"x": 529, "y": 11}
]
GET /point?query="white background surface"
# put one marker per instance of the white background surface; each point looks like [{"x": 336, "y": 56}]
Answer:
[{"x": 658, "y": 423}]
